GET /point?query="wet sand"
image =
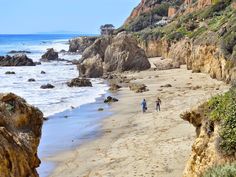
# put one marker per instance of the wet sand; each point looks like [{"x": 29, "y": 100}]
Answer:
[{"x": 153, "y": 144}]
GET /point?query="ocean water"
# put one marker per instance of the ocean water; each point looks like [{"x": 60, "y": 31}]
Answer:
[
  {"x": 67, "y": 127},
  {"x": 57, "y": 73}
]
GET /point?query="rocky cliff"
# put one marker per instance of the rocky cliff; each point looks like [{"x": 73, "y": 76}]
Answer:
[
  {"x": 20, "y": 132},
  {"x": 202, "y": 40},
  {"x": 113, "y": 54},
  {"x": 203, "y": 37},
  {"x": 149, "y": 12},
  {"x": 214, "y": 144}
]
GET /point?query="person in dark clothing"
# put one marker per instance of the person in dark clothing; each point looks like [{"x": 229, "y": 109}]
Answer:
[
  {"x": 144, "y": 105},
  {"x": 158, "y": 104}
]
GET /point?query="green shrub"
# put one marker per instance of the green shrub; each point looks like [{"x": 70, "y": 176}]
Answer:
[
  {"x": 197, "y": 32},
  {"x": 161, "y": 10},
  {"x": 221, "y": 171},
  {"x": 215, "y": 9},
  {"x": 223, "y": 110}
]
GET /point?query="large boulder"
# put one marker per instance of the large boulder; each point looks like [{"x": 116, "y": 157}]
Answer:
[
  {"x": 20, "y": 132},
  {"x": 124, "y": 55},
  {"x": 50, "y": 55},
  {"x": 79, "y": 82},
  {"x": 80, "y": 44},
  {"x": 107, "y": 54},
  {"x": 91, "y": 63},
  {"x": 16, "y": 60}
]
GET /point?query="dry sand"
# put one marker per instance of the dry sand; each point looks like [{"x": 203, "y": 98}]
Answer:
[{"x": 154, "y": 144}]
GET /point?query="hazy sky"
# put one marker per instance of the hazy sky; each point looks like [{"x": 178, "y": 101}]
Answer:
[{"x": 84, "y": 16}]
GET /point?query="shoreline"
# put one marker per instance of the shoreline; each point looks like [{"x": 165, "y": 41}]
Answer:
[
  {"x": 66, "y": 118},
  {"x": 137, "y": 144}
]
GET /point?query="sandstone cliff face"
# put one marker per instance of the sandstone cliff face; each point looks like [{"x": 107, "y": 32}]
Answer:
[
  {"x": 155, "y": 48},
  {"x": 206, "y": 57},
  {"x": 20, "y": 132},
  {"x": 108, "y": 54},
  {"x": 205, "y": 151}
]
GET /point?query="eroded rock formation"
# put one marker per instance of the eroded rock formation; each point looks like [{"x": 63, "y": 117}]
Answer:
[
  {"x": 80, "y": 44},
  {"x": 108, "y": 54},
  {"x": 16, "y": 60},
  {"x": 20, "y": 132},
  {"x": 50, "y": 55},
  {"x": 205, "y": 150}
]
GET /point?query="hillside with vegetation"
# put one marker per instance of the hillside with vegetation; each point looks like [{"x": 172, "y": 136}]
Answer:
[{"x": 202, "y": 35}]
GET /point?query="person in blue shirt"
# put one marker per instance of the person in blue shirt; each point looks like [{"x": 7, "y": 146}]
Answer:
[{"x": 144, "y": 105}]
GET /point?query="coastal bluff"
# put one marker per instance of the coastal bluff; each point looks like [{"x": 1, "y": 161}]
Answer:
[{"x": 20, "y": 132}]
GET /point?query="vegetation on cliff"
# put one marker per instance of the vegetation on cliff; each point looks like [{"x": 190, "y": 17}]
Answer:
[
  {"x": 150, "y": 12},
  {"x": 221, "y": 171},
  {"x": 219, "y": 18},
  {"x": 223, "y": 111}
]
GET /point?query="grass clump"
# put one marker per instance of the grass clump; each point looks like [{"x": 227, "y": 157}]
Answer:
[
  {"x": 223, "y": 110},
  {"x": 228, "y": 170}
]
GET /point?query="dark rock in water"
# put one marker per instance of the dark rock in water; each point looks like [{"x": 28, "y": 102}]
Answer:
[
  {"x": 50, "y": 55},
  {"x": 138, "y": 88},
  {"x": 100, "y": 109},
  {"x": 16, "y": 60},
  {"x": 80, "y": 44},
  {"x": 20, "y": 132},
  {"x": 79, "y": 82},
  {"x": 63, "y": 51},
  {"x": 47, "y": 86},
  {"x": 18, "y": 52},
  {"x": 43, "y": 72},
  {"x": 10, "y": 72},
  {"x": 110, "y": 99},
  {"x": 37, "y": 63},
  {"x": 31, "y": 80},
  {"x": 167, "y": 85},
  {"x": 108, "y": 54},
  {"x": 45, "y": 118},
  {"x": 114, "y": 87}
]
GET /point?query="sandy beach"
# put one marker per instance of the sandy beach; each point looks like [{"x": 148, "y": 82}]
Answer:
[{"x": 153, "y": 144}]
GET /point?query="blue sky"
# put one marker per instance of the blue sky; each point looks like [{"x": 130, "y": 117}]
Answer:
[{"x": 84, "y": 16}]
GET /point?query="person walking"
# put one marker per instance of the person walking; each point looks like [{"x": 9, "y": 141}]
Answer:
[
  {"x": 144, "y": 105},
  {"x": 158, "y": 104}
]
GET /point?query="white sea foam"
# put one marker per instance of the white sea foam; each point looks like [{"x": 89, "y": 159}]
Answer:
[
  {"x": 57, "y": 73},
  {"x": 49, "y": 101}
]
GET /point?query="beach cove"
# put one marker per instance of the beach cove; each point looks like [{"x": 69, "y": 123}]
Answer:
[{"x": 150, "y": 144}]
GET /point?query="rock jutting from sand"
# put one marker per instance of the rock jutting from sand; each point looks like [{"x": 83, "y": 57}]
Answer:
[
  {"x": 114, "y": 87},
  {"x": 16, "y": 60},
  {"x": 138, "y": 88},
  {"x": 79, "y": 82},
  {"x": 110, "y": 99},
  {"x": 107, "y": 54},
  {"x": 20, "y": 133}
]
